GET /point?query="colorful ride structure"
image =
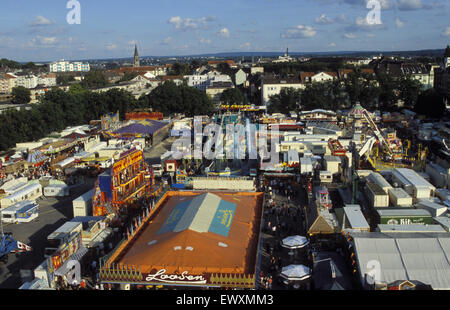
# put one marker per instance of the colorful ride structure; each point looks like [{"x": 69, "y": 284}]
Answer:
[{"x": 128, "y": 181}]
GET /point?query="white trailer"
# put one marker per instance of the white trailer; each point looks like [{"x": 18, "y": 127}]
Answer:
[
  {"x": 82, "y": 206},
  {"x": 21, "y": 212},
  {"x": 291, "y": 157},
  {"x": 398, "y": 197},
  {"x": 377, "y": 196},
  {"x": 306, "y": 165},
  {"x": 435, "y": 209},
  {"x": 332, "y": 163},
  {"x": 56, "y": 190},
  {"x": 377, "y": 178},
  {"x": 412, "y": 183},
  {"x": 326, "y": 176},
  {"x": 30, "y": 192}
]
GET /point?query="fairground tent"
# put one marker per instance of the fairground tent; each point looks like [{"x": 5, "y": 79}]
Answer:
[
  {"x": 142, "y": 128},
  {"x": 414, "y": 257},
  {"x": 36, "y": 158}
]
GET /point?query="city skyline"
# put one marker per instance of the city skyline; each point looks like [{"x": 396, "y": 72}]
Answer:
[{"x": 110, "y": 29}]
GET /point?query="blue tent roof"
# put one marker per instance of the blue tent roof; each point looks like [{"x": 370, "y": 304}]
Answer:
[
  {"x": 36, "y": 157},
  {"x": 142, "y": 127}
]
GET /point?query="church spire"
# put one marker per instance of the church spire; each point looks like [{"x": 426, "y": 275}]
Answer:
[{"x": 136, "y": 57}]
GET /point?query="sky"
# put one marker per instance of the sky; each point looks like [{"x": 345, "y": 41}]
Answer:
[{"x": 39, "y": 31}]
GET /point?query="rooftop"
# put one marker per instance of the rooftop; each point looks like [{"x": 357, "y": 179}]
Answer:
[{"x": 198, "y": 232}]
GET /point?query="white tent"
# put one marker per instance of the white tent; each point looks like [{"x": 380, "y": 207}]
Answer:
[
  {"x": 295, "y": 272},
  {"x": 294, "y": 242},
  {"x": 423, "y": 259}
]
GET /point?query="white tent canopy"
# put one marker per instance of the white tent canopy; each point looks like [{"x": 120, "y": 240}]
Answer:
[
  {"x": 294, "y": 242},
  {"x": 424, "y": 259},
  {"x": 295, "y": 272}
]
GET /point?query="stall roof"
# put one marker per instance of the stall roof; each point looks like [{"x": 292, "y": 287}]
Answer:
[
  {"x": 142, "y": 127},
  {"x": 424, "y": 259},
  {"x": 66, "y": 161},
  {"x": 409, "y": 176},
  {"x": 355, "y": 217},
  {"x": 410, "y": 228},
  {"x": 403, "y": 212}
]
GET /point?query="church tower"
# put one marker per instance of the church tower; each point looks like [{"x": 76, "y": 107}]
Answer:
[
  {"x": 136, "y": 57},
  {"x": 447, "y": 57}
]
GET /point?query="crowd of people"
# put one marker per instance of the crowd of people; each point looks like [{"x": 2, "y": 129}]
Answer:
[{"x": 283, "y": 216}]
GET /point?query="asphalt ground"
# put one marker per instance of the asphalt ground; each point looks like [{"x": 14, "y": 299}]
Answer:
[{"x": 53, "y": 212}]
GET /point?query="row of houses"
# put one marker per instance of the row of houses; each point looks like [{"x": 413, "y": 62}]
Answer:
[{"x": 28, "y": 80}]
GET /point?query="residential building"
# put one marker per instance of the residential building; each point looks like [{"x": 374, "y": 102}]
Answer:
[
  {"x": 7, "y": 82},
  {"x": 47, "y": 80},
  {"x": 271, "y": 85},
  {"x": 420, "y": 72},
  {"x": 203, "y": 81},
  {"x": 215, "y": 90},
  {"x": 215, "y": 63},
  {"x": 240, "y": 77},
  {"x": 67, "y": 66},
  {"x": 309, "y": 77},
  {"x": 255, "y": 70},
  {"x": 442, "y": 75},
  {"x": 26, "y": 80},
  {"x": 155, "y": 70},
  {"x": 284, "y": 58}
]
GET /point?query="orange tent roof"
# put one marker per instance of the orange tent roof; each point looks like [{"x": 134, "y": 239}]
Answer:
[{"x": 198, "y": 252}]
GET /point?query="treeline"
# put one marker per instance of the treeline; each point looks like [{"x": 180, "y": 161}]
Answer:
[
  {"x": 58, "y": 109},
  {"x": 11, "y": 64},
  {"x": 382, "y": 92},
  {"x": 294, "y": 68}
]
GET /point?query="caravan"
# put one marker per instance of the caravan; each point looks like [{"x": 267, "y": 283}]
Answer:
[{"x": 21, "y": 212}]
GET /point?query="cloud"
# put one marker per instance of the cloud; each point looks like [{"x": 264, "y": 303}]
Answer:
[
  {"x": 409, "y": 5},
  {"x": 299, "y": 32},
  {"x": 324, "y": 20},
  {"x": 342, "y": 19},
  {"x": 246, "y": 45},
  {"x": 111, "y": 46},
  {"x": 361, "y": 24},
  {"x": 205, "y": 41},
  {"x": 190, "y": 23},
  {"x": 132, "y": 42},
  {"x": 40, "y": 41},
  {"x": 447, "y": 32},
  {"x": 332, "y": 44},
  {"x": 399, "y": 23},
  {"x": 349, "y": 36},
  {"x": 41, "y": 21},
  {"x": 224, "y": 32},
  {"x": 167, "y": 40},
  {"x": 385, "y": 4}
]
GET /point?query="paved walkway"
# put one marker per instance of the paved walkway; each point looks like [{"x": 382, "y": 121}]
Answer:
[{"x": 287, "y": 216}]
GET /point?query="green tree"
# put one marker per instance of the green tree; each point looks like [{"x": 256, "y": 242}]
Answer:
[
  {"x": 388, "y": 92},
  {"x": 286, "y": 101},
  {"x": 224, "y": 68},
  {"x": 64, "y": 79},
  {"x": 94, "y": 79},
  {"x": 180, "y": 69},
  {"x": 430, "y": 103},
  {"x": 409, "y": 90},
  {"x": 233, "y": 96},
  {"x": 21, "y": 95},
  {"x": 317, "y": 96}
]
